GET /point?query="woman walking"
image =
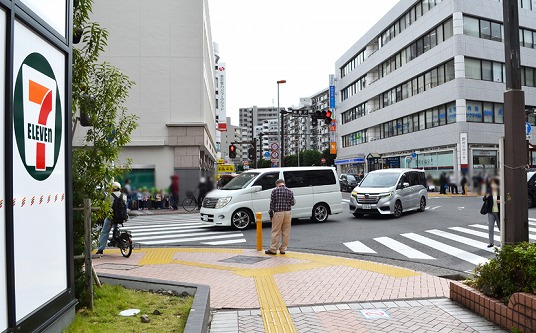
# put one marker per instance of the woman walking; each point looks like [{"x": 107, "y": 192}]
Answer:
[{"x": 493, "y": 201}]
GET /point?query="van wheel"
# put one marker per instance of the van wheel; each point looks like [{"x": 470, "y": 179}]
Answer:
[
  {"x": 422, "y": 205},
  {"x": 320, "y": 213},
  {"x": 398, "y": 209},
  {"x": 241, "y": 219}
]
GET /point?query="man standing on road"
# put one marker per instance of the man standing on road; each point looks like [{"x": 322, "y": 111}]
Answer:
[{"x": 281, "y": 202}]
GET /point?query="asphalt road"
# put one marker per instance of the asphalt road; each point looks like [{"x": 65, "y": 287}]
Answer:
[{"x": 449, "y": 239}]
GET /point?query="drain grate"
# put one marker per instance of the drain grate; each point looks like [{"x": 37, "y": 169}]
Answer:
[
  {"x": 117, "y": 267},
  {"x": 246, "y": 260}
]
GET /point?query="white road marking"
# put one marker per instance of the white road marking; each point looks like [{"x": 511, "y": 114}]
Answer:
[
  {"x": 475, "y": 233},
  {"x": 480, "y": 226},
  {"x": 436, "y": 207},
  {"x": 172, "y": 241},
  {"x": 165, "y": 232},
  {"x": 461, "y": 239},
  {"x": 359, "y": 247},
  {"x": 151, "y": 228},
  {"x": 192, "y": 234},
  {"x": 450, "y": 250},
  {"x": 225, "y": 242},
  {"x": 403, "y": 249}
]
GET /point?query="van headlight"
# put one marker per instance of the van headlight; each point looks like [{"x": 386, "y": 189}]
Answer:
[
  {"x": 222, "y": 202},
  {"x": 385, "y": 195}
]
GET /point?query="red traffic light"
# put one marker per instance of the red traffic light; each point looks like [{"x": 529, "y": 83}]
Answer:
[
  {"x": 232, "y": 148},
  {"x": 328, "y": 114}
]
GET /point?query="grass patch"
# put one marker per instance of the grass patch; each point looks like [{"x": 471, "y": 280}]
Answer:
[{"x": 110, "y": 300}]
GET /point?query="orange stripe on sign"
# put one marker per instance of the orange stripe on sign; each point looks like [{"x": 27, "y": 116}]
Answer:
[{"x": 37, "y": 92}]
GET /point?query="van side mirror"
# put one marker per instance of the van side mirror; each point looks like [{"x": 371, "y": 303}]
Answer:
[
  {"x": 256, "y": 188},
  {"x": 404, "y": 185}
]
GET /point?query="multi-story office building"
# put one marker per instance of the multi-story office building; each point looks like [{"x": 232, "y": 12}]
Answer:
[
  {"x": 220, "y": 85},
  {"x": 320, "y": 133},
  {"x": 424, "y": 87},
  {"x": 167, "y": 50},
  {"x": 255, "y": 120}
]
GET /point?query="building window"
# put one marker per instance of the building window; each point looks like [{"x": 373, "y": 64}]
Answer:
[
  {"x": 474, "y": 112},
  {"x": 487, "y": 70},
  {"x": 485, "y": 29},
  {"x": 472, "y": 69},
  {"x": 488, "y": 112},
  {"x": 471, "y": 26},
  {"x": 496, "y": 32},
  {"x": 499, "y": 113},
  {"x": 451, "y": 113}
]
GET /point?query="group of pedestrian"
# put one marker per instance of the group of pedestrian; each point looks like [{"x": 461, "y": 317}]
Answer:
[{"x": 450, "y": 182}]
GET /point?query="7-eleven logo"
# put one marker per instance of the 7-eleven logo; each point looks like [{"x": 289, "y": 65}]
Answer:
[{"x": 37, "y": 116}]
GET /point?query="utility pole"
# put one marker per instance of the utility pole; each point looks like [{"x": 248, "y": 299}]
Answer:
[
  {"x": 515, "y": 147},
  {"x": 282, "y": 139},
  {"x": 255, "y": 147}
]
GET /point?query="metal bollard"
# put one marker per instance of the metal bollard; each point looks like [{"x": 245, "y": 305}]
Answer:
[
  {"x": 258, "y": 221},
  {"x": 466, "y": 189}
]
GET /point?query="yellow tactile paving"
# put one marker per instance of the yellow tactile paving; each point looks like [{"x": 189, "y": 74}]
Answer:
[{"x": 275, "y": 315}]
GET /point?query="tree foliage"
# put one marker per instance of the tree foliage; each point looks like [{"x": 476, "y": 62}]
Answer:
[{"x": 99, "y": 91}]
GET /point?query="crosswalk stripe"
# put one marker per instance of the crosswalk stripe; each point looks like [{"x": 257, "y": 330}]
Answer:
[
  {"x": 165, "y": 232},
  {"x": 464, "y": 240},
  {"x": 177, "y": 236},
  {"x": 193, "y": 226},
  {"x": 475, "y": 233},
  {"x": 359, "y": 247},
  {"x": 436, "y": 207},
  {"x": 161, "y": 225},
  {"x": 480, "y": 226},
  {"x": 403, "y": 249},
  {"x": 173, "y": 241},
  {"x": 451, "y": 250},
  {"x": 225, "y": 242},
  {"x": 532, "y": 219}
]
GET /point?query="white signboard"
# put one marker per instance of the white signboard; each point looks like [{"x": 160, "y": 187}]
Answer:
[
  {"x": 3, "y": 273},
  {"x": 51, "y": 11},
  {"x": 38, "y": 171},
  {"x": 464, "y": 149}
]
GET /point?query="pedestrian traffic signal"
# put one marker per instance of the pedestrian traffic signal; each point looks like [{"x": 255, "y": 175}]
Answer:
[
  {"x": 314, "y": 121},
  {"x": 232, "y": 151},
  {"x": 251, "y": 153},
  {"x": 327, "y": 120}
]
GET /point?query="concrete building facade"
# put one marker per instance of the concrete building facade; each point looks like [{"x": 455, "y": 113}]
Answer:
[
  {"x": 166, "y": 48},
  {"x": 424, "y": 87}
]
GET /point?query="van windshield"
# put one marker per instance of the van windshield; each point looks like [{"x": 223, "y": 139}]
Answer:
[
  {"x": 240, "y": 181},
  {"x": 380, "y": 179}
]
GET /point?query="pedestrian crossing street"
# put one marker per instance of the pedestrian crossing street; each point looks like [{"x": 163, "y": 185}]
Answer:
[
  {"x": 178, "y": 229},
  {"x": 468, "y": 244}
]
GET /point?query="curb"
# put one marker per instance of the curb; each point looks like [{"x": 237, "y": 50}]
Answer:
[{"x": 199, "y": 316}]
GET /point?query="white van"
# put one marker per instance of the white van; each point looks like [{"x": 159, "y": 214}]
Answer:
[{"x": 316, "y": 190}]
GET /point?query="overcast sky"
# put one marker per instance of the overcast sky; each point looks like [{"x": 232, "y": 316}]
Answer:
[{"x": 262, "y": 41}]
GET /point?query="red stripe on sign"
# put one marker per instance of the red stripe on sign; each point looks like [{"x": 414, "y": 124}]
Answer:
[{"x": 40, "y": 156}]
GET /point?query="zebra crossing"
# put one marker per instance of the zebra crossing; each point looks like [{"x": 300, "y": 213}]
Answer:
[
  {"x": 467, "y": 244},
  {"x": 181, "y": 229}
]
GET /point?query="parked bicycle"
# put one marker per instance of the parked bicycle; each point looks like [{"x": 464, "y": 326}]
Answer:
[
  {"x": 122, "y": 240},
  {"x": 190, "y": 203}
]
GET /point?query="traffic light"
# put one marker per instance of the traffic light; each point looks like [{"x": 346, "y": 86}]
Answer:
[
  {"x": 251, "y": 153},
  {"x": 314, "y": 121},
  {"x": 327, "y": 120},
  {"x": 318, "y": 115},
  {"x": 232, "y": 151}
]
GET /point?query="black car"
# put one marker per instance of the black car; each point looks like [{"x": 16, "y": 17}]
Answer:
[
  {"x": 348, "y": 182},
  {"x": 531, "y": 182}
]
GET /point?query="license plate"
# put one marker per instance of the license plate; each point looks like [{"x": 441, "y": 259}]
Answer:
[
  {"x": 367, "y": 207},
  {"x": 204, "y": 217}
]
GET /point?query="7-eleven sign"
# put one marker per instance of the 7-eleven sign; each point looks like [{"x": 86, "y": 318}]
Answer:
[{"x": 37, "y": 116}]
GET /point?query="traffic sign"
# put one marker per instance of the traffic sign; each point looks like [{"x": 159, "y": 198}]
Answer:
[
  {"x": 275, "y": 155},
  {"x": 266, "y": 154},
  {"x": 274, "y": 146},
  {"x": 528, "y": 128},
  {"x": 414, "y": 155}
]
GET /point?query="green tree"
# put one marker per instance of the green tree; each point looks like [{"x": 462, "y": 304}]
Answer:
[
  {"x": 330, "y": 158},
  {"x": 99, "y": 91}
]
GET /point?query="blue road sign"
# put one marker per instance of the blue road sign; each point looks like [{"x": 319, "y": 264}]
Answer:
[
  {"x": 528, "y": 127},
  {"x": 332, "y": 97}
]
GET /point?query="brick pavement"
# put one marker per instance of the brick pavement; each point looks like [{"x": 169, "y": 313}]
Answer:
[{"x": 299, "y": 292}]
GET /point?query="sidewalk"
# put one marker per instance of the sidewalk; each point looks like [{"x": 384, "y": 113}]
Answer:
[{"x": 300, "y": 292}]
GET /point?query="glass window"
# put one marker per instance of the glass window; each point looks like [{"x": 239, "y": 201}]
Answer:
[
  {"x": 405, "y": 91},
  {"x": 420, "y": 47},
  {"x": 529, "y": 77},
  {"x": 267, "y": 181},
  {"x": 472, "y": 69},
  {"x": 322, "y": 177},
  {"x": 503, "y": 72},
  {"x": 488, "y": 112},
  {"x": 403, "y": 59},
  {"x": 449, "y": 71},
  {"x": 470, "y": 26},
  {"x": 448, "y": 30},
  {"x": 415, "y": 86},
  {"x": 485, "y": 29},
  {"x": 440, "y": 75},
  {"x": 412, "y": 51},
  {"x": 433, "y": 38},
  {"x": 402, "y": 24},
  {"x": 428, "y": 80},
  {"x": 408, "y": 18},
  {"x": 294, "y": 179},
  {"x": 497, "y": 72},
  {"x": 451, "y": 113},
  {"x": 420, "y": 80},
  {"x": 427, "y": 43},
  {"x": 433, "y": 78},
  {"x": 496, "y": 34},
  {"x": 435, "y": 117},
  {"x": 425, "y": 6},
  {"x": 415, "y": 122},
  {"x": 499, "y": 113},
  {"x": 474, "y": 112},
  {"x": 526, "y": 4},
  {"x": 527, "y": 39},
  {"x": 440, "y": 34},
  {"x": 418, "y": 10},
  {"x": 442, "y": 116},
  {"x": 422, "y": 121},
  {"x": 405, "y": 125},
  {"x": 429, "y": 119},
  {"x": 487, "y": 71},
  {"x": 398, "y": 93}
]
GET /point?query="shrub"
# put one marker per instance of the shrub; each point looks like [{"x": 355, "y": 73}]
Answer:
[{"x": 512, "y": 270}]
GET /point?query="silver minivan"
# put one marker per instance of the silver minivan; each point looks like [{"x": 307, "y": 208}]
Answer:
[{"x": 390, "y": 191}]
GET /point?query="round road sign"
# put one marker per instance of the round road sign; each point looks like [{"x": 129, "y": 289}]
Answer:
[
  {"x": 274, "y": 146},
  {"x": 274, "y": 155}
]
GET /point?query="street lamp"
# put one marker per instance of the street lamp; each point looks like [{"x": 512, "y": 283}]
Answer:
[{"x": 278, "y": 124}]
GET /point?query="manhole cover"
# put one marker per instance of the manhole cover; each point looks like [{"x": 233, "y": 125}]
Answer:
[
  {"x": 247, "y": 260},
  {"x": 117, "y": 267}
]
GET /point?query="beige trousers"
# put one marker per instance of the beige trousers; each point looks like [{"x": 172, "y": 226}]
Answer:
[{"x": 280, "y": 225}]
